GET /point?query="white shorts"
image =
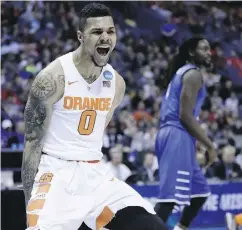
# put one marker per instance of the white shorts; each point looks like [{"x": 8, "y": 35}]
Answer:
[{"x": 67, "y": 193}]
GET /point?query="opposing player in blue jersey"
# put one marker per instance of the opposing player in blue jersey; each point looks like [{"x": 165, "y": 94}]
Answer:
[{"x": 181, "y": 180}]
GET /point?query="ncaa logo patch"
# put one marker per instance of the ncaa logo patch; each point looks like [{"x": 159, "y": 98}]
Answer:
[{"x": 108, "y": 75}]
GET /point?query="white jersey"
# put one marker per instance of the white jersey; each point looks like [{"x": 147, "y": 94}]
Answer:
[{"x": 78, "y": 120}]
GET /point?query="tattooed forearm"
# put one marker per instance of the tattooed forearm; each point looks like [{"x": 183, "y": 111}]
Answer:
[
  {"x": 36, "y": 117},
  {"x": 32, "y": 154}
]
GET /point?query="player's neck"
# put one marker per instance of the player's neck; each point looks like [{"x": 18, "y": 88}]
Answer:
[
  {"x": 85, "y": 65},
  {"x": 193, "y": 63}
]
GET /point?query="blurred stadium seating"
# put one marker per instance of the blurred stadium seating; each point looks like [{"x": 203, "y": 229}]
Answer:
[{"x": 35, "y": 33}]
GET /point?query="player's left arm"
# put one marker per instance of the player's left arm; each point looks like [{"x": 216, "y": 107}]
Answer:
[{"x": 120, "y": 90}]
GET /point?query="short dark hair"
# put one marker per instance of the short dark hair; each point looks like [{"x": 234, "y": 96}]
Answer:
[
  {"x": 181, "y": 58},
  {"x": 93, "y": 10}
]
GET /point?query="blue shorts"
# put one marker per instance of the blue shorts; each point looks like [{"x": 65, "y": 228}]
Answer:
[{"x": 180, "y": 175}]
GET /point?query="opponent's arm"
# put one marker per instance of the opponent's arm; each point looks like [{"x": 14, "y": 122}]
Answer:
[
  {"x": 47, "y": 88},
  {"x": 192, "y": 82},
  {"x": 120, "y": 90}
]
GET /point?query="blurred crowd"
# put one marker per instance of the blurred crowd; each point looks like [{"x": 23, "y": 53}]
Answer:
[{"x": 35, "y": 33}]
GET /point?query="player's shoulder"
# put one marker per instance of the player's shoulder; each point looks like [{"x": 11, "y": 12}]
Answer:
[
  {"x": 192, "y": 80},
  {"x": 55, "y": 68},
  {"x": 192, "y": 76},
  {"x": 53, "y": 72}
]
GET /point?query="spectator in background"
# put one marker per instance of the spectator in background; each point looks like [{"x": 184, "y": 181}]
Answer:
[
  {"x": 232, "y": 104},
  {"x": 149, "y": 138},
  {"x": 148, "y": 172},
  {"x": 111, "y": 137},
  {"x": 119, "y": 170},
  {"x": 141, "y": 113},
  {"x": 8, "y": 130},
  {"x": 237, "y": 126},
  {"x": 216, "y": 100},
  {"x": 225, "y": 91},
  {"x": 228, "y": 169}
]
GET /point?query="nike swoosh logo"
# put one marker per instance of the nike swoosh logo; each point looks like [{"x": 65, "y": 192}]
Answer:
[{"x": 70, "y": 83}]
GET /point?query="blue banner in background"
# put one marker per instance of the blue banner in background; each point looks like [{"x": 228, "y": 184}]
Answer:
[{"x": 226, "y": 197}]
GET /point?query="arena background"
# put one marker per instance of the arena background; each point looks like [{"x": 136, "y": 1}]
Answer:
[{"x": 35, "y": 33}]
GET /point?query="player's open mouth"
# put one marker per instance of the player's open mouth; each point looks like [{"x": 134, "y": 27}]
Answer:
[{"x": 103, "y": 51}]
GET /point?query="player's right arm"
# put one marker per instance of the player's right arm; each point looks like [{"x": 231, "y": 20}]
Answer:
[
  {"x": 47, "y": 88},
  {"x": 192, "y": 82}
]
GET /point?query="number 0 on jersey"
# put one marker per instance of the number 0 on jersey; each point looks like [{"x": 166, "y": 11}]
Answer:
[{"x": 87, "y": 122}]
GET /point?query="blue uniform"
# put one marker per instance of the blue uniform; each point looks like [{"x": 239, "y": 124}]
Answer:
[{"x": 180, "y": 175}]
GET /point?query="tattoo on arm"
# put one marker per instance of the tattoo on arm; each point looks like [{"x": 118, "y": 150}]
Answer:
[
  {"x": 36, "y": 117},
  {"x": 44, "y": 86},
  {"x": 61, "y": 81}
]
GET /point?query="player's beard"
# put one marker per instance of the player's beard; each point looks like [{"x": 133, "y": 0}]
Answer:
[{"x": 208, "y": 65}]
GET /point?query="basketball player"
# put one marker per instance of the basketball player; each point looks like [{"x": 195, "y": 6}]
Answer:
[
  {"x": 70, "y": 103},
  {"x": 181, "y": 180}
]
